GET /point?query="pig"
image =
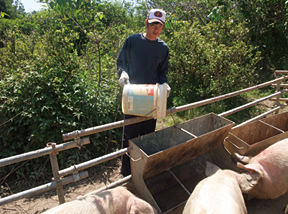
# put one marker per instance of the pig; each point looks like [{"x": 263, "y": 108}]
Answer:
[
  {"x": 117, "y": 200},
  {"x": 268, "y": 171},
  {"x": 219, "y": 193}
]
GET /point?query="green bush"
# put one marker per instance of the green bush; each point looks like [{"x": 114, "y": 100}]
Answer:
[{"x": 208, "y": 61}]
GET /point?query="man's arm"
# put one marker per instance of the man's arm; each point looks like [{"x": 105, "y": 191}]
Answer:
[
  {"x": 123, "y": 58},
  {"x": 163, "y": 68}
]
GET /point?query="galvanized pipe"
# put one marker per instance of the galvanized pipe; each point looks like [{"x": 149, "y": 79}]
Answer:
[
  {"x": 121, "y": 123},
  {"x": 40, "y": 189},
  {"x": 105, "y": 127},
  {"x": 281, "y": 72},
  {"x": 222, "y": 97},
  {"x": 41, "y": 152},
  {"x": 112, "y": 185},
  {"x": 232, "y": 111},
  {"x": 281, "y": 85},
  {"x": 260, "y": 116},
  {"x": 92, "y": 162}
]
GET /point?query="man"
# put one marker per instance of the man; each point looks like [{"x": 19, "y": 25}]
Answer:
[{"x": 143, "y": 60}]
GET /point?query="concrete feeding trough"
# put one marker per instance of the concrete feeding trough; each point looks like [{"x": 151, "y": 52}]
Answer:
[{"x": 166, "y": 165}]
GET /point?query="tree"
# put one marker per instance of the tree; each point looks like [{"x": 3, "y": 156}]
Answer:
[
  {"x": 267, "y": 22},
  {"x": 12, "y": 9}
]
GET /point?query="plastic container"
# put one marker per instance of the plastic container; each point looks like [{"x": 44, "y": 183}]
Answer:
[{"x": 147, "y": 100}]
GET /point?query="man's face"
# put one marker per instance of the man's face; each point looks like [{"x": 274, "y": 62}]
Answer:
[{"x": 153, "y": 30}]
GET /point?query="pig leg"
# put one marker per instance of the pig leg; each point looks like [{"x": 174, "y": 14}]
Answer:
[{"x": 286, "y": 210}]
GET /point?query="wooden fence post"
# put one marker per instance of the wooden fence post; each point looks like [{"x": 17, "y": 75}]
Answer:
[
  {"x": 55, "y": 170},
  {"x": 278, "y": 85},
  {"x": 278, "y": 96}
]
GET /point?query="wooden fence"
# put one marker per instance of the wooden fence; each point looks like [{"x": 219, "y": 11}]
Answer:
[{"x": 74, "y": 174}]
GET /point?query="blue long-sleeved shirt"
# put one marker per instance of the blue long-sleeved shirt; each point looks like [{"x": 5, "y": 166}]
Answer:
[{"x": 145, "y": 61}]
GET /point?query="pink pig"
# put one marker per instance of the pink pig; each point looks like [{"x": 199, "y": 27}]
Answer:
[
  {"x": 118, "y": 200},
  {"x": 217, "y": 194},
  {"x": 267, "y": 176}
]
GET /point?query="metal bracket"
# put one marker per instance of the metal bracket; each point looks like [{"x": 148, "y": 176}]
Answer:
[
  {"x": 54, "y": 150},
  {"x": 77, "y": 139},
  {"x": 75, "y": 174},
  {"x": 76, "y": 177}
]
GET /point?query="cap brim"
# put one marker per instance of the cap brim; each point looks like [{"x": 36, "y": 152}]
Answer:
[{"x": 155, "y": 20}]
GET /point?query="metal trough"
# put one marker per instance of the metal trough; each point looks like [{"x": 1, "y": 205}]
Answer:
[
  {"x": 166, "y": 165},
  {"x": 252, "y": 138}
]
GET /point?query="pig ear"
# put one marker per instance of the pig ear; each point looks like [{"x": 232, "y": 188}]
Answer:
[
  {"x": 248, "y": 179},
  {"x": 249, "y": 168},
  {"x": 211, "y": 168}
]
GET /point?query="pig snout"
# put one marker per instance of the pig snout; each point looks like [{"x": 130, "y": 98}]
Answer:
[
  {"x": 219, "y": 193},
  {"x": 267, "y": 173},
  {"x": 117, "y": 200}
]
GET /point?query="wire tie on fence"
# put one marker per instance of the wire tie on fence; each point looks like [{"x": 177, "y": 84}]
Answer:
[
  {"x": 77, "y": 139},
  {"x": 58, "y": 184},
  {"x": 75, "y": 170}
]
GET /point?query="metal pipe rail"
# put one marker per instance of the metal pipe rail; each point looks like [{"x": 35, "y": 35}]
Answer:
[
  {"x": 92, "y": 162},
  {"x": 232, "y": 111},
  {"x": 42, "y": 152},
  {"x": 222, "y": 97},
  {"x": 42, "y": 188},
  {"x": 118, "y": 124}
]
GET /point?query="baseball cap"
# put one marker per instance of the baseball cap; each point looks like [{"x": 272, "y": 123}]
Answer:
[{"x": 156, "y": 15}]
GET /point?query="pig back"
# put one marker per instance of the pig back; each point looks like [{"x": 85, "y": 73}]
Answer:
[{"x": 217, "y": 194}]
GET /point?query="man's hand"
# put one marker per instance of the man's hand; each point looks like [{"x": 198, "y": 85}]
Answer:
[
  {"x": 124, "y": 79},
  {"x": 168, "y": 89}
]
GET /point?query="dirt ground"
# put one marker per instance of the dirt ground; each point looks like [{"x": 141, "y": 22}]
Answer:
[{"x": 44, "y": 201}]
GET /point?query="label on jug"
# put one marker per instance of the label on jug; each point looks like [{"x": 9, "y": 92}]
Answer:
[
  {"x": 147, "y": 90},
  {"x": 150, "y": 90},
  {"x": 130, "y": 103}
]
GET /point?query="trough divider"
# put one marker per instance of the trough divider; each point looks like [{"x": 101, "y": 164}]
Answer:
[
  {"x": 183, "y": 130},
  {"x": 261, "y": 116},
  {"x": 179, "y": 182},
  {"x": 271, "y": 126}
]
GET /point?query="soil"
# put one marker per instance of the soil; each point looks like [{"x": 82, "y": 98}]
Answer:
[{"x": 99, "y": 177}]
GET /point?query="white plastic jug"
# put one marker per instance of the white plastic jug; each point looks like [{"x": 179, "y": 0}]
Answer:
[{"x": 147, "y": 100}]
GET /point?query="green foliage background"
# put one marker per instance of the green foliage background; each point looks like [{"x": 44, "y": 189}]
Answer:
[{"x": 58, "y": 66}]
